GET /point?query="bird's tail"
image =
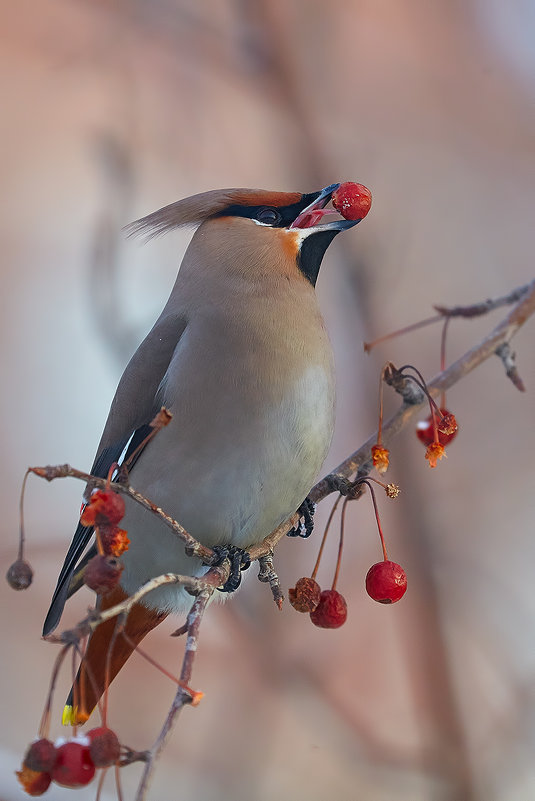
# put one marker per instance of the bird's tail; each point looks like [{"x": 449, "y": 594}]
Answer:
[{"x": 100, "y": 665}]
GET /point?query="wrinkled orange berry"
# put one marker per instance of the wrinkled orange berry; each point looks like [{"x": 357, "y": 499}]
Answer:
[
  {"x": 447, "y": 426},
  {"x": 434, "y": 452},
  {"x": 34, "y": 782},
  {"x": 113, "y": 540},
  {"x": 380, "y": 458}
]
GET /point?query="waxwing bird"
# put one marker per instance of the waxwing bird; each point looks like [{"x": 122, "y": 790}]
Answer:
[{"x": 241, "y": 358}]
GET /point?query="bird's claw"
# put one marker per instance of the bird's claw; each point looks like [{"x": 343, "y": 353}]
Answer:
[
  {"x": 239, "y": 560},
  {"x": 305, "y": 526}
]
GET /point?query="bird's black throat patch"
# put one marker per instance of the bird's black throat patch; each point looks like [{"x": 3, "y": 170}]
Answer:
[{"x": 312, "y": 252}]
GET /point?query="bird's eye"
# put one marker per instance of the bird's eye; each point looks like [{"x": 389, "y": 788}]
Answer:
[{"x": 269, "y": 216}]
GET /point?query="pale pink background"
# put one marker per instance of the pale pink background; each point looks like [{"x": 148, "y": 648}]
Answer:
[{"x": 112, "y": 109}]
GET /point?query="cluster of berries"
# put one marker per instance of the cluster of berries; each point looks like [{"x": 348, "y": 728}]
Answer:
[
  {"x": 104, "y": 511},
  {"x": 386, "y": 581},
  {"x": 70, "y": 763},
  {"x": 435, "y": 432}
]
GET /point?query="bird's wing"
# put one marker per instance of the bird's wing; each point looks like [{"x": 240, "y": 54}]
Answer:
[{"x": 132, "y": 409}]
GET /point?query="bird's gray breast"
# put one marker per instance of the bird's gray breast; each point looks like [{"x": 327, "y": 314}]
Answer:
[{"x": 252, "y": 423}]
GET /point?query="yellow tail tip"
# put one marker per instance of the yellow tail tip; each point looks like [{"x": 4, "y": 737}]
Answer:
[
  {"x": 73, "y": 716},
  {"x": 70, "y": 715}
]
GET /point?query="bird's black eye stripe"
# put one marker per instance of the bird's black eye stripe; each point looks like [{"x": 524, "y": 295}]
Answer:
[
  {"x": 279, "y": 217},
  {"x": 268, "y": 215}
]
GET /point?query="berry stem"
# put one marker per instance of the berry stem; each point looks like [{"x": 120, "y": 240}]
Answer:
[
  {"x": 44, "y": 726},
  {"x": 21, "y": 516},
  {"x": 75, "y": 698},
  {"x": 414, "y": 327},
  {"x": 100, "y": 784},
  {"x": 376, "y": 481},
  {"x": 443, "y": 355},
  {"x": 118, "y": 787},
  {"x": 340, "y": 545},
  {"x": 381, "y": 386},
  {"x": 323, "y": 539},
  {"x": 113, "y": 467},
  {"x": 423, "y": 386},
  {"x": 435, "y": 427},
  {"x": 159, "y": 667},
  {"x": 376, "y": 510}
]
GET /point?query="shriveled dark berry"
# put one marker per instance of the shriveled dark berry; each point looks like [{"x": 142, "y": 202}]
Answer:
[
  {"x": 305, "y": 596},
  {"x": 20, "y": 575},
  {"x": 41, "y": 755},
  {"x": 102, "y": 573}
]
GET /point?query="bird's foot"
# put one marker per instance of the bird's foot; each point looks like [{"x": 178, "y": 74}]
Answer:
[
  {"x": 305, "y": 526},
  {"x": 239, "y": 560}
]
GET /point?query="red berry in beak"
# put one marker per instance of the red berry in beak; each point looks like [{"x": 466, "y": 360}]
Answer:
[
  {"x": 386, "y": 582},
  {"x": 74, "y": 767},
  {"x": 331, "y": 612},
  {"x": 353, "y": 201}
]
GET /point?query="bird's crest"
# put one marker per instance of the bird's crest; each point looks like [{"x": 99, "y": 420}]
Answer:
[{"x": 197, "y": 208}]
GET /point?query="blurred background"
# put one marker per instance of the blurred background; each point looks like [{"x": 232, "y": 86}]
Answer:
[{"x": 113, "y": 108}]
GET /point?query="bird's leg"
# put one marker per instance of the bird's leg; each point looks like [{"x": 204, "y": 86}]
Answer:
[
  {"x": 306, "y": 522},
  {"x": 239, "y": 560}
]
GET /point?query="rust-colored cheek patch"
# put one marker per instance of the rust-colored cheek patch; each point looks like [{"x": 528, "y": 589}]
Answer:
[{"x": 289, "y": 243}]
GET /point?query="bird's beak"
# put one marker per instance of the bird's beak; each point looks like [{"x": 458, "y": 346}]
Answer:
[{"x": 315, "y": 211}]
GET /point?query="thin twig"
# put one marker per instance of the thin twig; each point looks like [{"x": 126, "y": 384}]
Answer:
[
  {"x": 193, "y": 546},
  {"x": 182, "y": 697},
  {"x": 478, "y": 309},
  {"x": 508, "y": 357}
]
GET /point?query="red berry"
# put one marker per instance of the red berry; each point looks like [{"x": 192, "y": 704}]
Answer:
[
  {"x": 305, "y": 596},
  {"x": 104, "y": 508},
  {"x": 386, "y": 582},
  {"x": 20, "y": 575},
  {"x": 424, "y": 430},
  {"x": 74, "y": 767},
  {"x": 105, "y": 748},
  {"x": 102, "y": 573},
  {"x": 331, "y": 612},
  {"x": 34, "y": 782},
  {"x": 41, "y": 755},
  {"x": 353, "y": 201}
]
